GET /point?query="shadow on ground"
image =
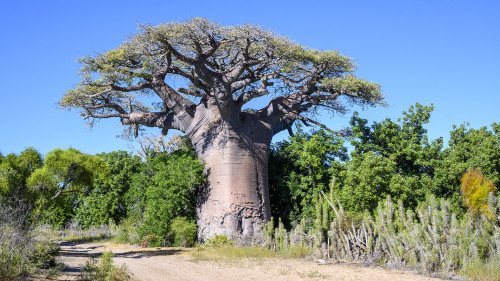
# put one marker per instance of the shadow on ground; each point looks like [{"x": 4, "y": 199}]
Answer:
[{"x": 71, "y": 249}]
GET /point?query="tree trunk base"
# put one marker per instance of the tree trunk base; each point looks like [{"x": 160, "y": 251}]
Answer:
[{"x": 235, "y": 200}]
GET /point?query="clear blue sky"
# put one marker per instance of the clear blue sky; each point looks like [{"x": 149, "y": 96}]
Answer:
[{"x": 442, "y": 52}]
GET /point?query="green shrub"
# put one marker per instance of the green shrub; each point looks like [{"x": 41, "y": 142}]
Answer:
[
  {"x": 185, "y": 232},
  {"x": 122, "y": 236},
  {"x": 218, "y": 241},
  {"x": 127, "y": 232},
  {"x": 44, "y": 254},
  {"x": 103, "y": 270},
  {"x": 166, "y": 190}
]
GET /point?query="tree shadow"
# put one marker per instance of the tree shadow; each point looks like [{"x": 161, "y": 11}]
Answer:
[
  {"x": 88, "y": 251},
  {"x": 136, "y": 254}
]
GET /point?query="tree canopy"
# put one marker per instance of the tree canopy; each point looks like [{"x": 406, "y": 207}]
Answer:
[{"x": 223, "y": 65}]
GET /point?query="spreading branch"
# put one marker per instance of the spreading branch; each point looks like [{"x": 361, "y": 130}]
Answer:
[
  {"x": 153, "y": 119},
  {"x": 248, "y": 96},
  {"x": 114, "y": 106},
  {"x": 224, "y": 66},
  {"x": 192, "y": 92},
  {"x": 103, "y": 116},
  {"x": 140, "y": 86}
]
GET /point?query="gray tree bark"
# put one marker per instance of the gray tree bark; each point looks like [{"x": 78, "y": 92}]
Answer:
[{"x": 235, "y": 199}]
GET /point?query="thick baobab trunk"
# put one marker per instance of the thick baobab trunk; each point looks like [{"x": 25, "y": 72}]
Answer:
[{"x": 235, "y": 200}]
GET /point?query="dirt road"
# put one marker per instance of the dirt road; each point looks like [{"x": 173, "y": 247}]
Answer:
[{"x": 178, "y": 264}]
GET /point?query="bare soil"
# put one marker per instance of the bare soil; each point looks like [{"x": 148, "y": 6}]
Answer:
[{"x": 178, "y": 264}]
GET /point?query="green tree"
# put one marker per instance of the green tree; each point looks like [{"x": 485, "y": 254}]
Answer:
[
  {"x": 414, "y": 166},
  {"x": 107, "y": 200},
  {"x": 166, "y": 188},
  {"x": 64, "y": 175},
  {"x": 302, "y": 167},
  {"x": 391, "y": 158},
  {"x": 470, "y": 148},
  {"x": 14, "y": 173},
  {"x": 405, "y": 141},
  {"x": 366, "y": 181},
  {"x": 467, "y": 149}
]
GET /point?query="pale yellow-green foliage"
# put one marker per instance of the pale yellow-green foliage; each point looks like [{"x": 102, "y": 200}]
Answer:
[
  {"x": 475, "y": 189},
  {"x": 177, "y": 46},
  {"x": 161, "y": 144}
]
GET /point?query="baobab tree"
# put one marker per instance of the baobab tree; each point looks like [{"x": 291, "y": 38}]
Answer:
[{"x": 220, "y": 69}]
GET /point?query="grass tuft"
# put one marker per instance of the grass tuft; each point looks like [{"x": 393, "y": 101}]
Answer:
[
  {"x": 104, "y": 270},
  {"x": 481, "y": 271},
  {"x": 313, "y": 273}
]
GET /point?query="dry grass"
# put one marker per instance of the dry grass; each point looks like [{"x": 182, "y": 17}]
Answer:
[
  {"x": 73, "y": 232},
  {"x": 481, "y": 271},
  {"x": 234, "y": 253},
  {"x": 312, "y": 273},
  {"x": 84, "y": 238}
]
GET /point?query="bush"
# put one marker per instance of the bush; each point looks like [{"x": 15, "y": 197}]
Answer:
[
  {"x": 103, "y": 270},
  {"x": 151, "y": 240},
  {"x": 185, "y": 232},
  {"x": 127, "y": 232},
  {"x": 20, "y": 253},
  {"x": 16, "y": 241},
  {"x": 475, "y": 189},
  {"x": 122, "y": 236},
  {"x": 43, "y": 255},
  {"x": 218, "y": 241}
]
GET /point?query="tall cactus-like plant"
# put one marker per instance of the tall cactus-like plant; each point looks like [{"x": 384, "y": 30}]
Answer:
[
  {"x": 281, "y": 236},
  {"x": 430, "y": 238},
  {"x": 268, "y": 233}
]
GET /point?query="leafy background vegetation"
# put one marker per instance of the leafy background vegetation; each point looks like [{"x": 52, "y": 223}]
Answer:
[{"x": 383, "y": 193}]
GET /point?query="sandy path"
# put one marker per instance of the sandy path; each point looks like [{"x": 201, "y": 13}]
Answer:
[
  {"x": 74, "y": 257},
  {"x": 177, "y": 264}
]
